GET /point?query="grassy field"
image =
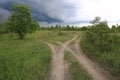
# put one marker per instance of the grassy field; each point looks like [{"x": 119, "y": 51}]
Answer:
[
  {"x": 52, "y": 36},
  {"x": 27, "y": 59},
  {"x": 110, "y": 61},
  {"x": 75, "y": 70}
]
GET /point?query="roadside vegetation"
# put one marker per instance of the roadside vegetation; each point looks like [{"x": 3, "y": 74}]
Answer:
[
  {"x": 102, "y": 44},
  {"x": 27, "y": 59},
  {"x": 75, "y": 70}
]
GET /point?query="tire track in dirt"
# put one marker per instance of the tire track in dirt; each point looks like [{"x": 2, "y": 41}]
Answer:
[{"x": 57, "y": 70}]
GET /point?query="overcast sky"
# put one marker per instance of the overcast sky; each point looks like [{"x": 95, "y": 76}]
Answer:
[{"x": 73, "y": 12}]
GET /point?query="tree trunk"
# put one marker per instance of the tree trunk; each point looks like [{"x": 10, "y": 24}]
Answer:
[{"x": 21, "y": 35}]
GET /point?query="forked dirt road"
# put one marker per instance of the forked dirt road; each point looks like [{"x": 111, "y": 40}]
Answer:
[{"x": 57, "y": 71}]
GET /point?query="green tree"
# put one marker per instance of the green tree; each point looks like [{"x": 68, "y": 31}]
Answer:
[
  {"x": 98, "y": 36},
  {"x": 0, "y": 18},
  {"x": 68, "y": 27},
  {"x": 96, "y": 20},
  {"x": 1, "y": 25},
  {"x": 114, "y": 29},
  {"x": 52, "y": 28},
  {"x": 21, "y": 22},
  {"x": 118, "y": 28}
]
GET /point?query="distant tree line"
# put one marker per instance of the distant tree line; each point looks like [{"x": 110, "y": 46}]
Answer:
[
  {"x": 65, "y": 28},
  {"x": 115, "y": 28}
]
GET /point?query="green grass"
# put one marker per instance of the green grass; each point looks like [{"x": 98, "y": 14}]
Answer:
[
  {"x": 28, "y": 59},
  {"x": 62, "y": 36},
  {"x": 20, "y": 61},
  {"x": 75, "y": 69}
]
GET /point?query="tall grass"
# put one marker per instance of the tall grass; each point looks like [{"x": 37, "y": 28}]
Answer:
[
  {"x": 20, "y": 61},
  {"x": 61, "y": 36},
  {"x": 110, "y": 60}
]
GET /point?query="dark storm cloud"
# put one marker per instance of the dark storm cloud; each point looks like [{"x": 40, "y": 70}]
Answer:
[
  {"x": 67, "y": 11},
  {"x": 4, "y": 13},
  {"x": 43, "y": 10}
]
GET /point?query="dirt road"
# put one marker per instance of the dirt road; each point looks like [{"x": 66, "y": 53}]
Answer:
[{"x": 57, "y": 71}]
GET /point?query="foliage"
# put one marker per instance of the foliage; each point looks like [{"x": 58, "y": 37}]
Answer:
[
  {"x": 0, "y": 25},
  {"x": 1, "y": 18},
  {"x": 103, "y": 46},
  {"x": 98, "y": 36},
  {"x": 115, "y": 29},
  {"x": 65, "y": 28},
  {"x": 3, "y": 28},
  {"x": 21, "y": 22},
  {"x": 96, "y": 20}
]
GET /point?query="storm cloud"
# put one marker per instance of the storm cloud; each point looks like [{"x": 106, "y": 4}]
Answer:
[
  {"x": 49, "y": 11},
  {"x": 67, "y": 11}
]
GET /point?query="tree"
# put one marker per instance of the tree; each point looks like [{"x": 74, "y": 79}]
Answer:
[
  {"x": 0, "y": 18},
  {"x": 98, "y": 35},
  {"x": 68, "y": 27},
  {"x": 52, "y": 28},
  {"x": 96, "y": 20},
  {"x": 2, "y": 28},
  {"x": 118, "y": 28},
  {"x": 114, "y": 29},
  {"x": 21, "y": 22}
]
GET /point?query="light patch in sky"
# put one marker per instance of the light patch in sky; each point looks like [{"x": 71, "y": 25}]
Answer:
[{"x": 106, "y": 9}]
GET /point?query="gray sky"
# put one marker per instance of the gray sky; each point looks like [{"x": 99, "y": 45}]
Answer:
[{"x": 73, "y": 12}]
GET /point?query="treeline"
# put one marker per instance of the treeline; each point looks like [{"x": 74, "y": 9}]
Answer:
[
  {"x": 102, "y": 44},
  {"x": 115, "y": 28},
  {"x": 65, "y": 28}
]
